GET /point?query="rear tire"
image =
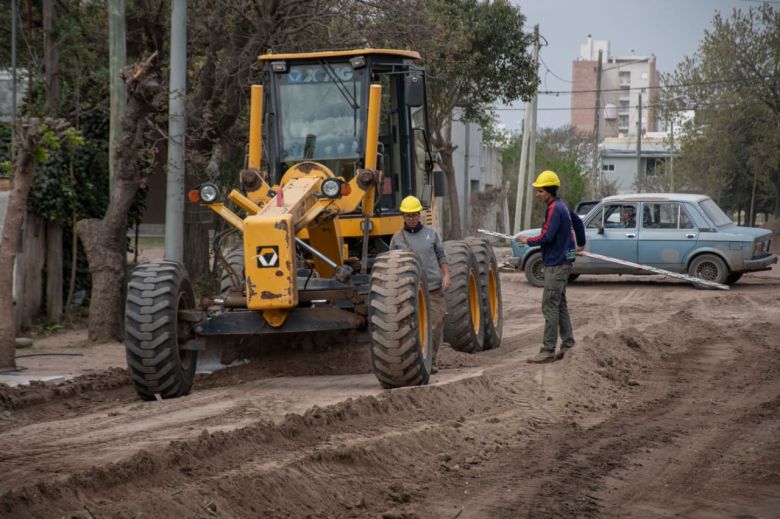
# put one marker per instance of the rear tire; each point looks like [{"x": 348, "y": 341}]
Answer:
[
  {"x": 490, "y": 291},
  {"x": 155, "y": 331},
  {"x": 710, "y": 268},
  {"x": 464, "y": 325},
  {"x": 399, "y": 320},
  {"x": 534, "y": 270}
]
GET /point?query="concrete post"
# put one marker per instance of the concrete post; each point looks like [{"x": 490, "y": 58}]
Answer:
[{"x": 174, "y": 203}]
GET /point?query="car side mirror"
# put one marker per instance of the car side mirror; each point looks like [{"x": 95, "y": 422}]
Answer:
[{"x": 600, "y": 228}]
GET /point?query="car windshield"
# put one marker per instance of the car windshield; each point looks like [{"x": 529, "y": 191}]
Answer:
[
  {"x": 320, "y": 112},
  {"x": 716, "y": 214}
]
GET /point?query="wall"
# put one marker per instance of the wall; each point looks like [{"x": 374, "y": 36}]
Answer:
[{"x": 582, "y": 103}]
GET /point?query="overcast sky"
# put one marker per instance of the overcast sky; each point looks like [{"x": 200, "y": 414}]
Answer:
[{"x": 670, "y": 29}]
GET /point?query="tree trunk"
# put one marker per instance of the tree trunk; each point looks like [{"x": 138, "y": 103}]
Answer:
[
  {"x": 107, "y": 267},
  {"x": 445, "y": 156},
  {"x": 51, "y": 58},
  {"x": 24, "y": 169},
  {"x": 53, "y": 272},
  {"x": 105, "y": 240},
  {"x": 441, "y": 140}
]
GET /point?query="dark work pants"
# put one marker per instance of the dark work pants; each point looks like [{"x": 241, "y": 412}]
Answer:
[
  {"x": 438, "y": 309},
  {"x": 555, "y": 309}
]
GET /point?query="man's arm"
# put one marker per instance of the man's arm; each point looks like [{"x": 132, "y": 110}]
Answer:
[
  {"x": 441, "y": 257},
  {"x": 550, "y": 229},
  {"x": 579, "y": 229},
  {"x": 445, "y": 276}
]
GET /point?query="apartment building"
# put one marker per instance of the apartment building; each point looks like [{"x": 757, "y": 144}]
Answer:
[{"x": 624, "y": 80}]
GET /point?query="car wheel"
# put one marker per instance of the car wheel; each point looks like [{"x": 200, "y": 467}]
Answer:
[
  {"x": 733, "y": 278},
  {"x": 710, "y": 268},
  {"x": 534, "y": 270},
  {"x": 573, "y": 277}
]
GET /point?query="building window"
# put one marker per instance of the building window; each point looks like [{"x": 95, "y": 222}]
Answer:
[
  {"x": 607, "y": 167},
  {"x": 623, "y": 121},
  {"x": 654, "y": 166}
]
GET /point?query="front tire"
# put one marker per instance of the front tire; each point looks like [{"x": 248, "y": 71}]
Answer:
[
  {"x": 232, "y": 275},
  {"x": 156, "y": 330},
  {"x": 534, "y": 270},
  {"x": 399, "y": 321},
  {"x": 490, "y": 291},
  {"x": 464, "y": 326},
  {"x": 709, "y": 268}
]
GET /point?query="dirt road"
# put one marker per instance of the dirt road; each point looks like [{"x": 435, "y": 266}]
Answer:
[{"x": 668, "y": 406}]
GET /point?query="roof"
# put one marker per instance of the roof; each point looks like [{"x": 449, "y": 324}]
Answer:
[
  {"x": 338, "y": 53},
  {"x": 618, "y": 147},
  {"x": 677, "y": 197}
]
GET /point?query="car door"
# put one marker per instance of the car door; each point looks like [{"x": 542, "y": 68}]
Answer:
[
  {"x": 667, "y": 235},
  {"x": 612, "y": 232}
]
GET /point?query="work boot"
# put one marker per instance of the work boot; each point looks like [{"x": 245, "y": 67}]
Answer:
[
  {"x": 562, "y": 353},
  {"x": 542, "y": 357}
]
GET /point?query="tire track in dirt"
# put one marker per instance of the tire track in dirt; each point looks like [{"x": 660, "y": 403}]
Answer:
[
  {"x": 565, "y": 469},
  {"x": 501, "y": 438}
]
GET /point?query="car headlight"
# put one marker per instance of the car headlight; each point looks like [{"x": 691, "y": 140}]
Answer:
[
  {"x": 209, "y": 192},
  {"x": 331, "y": 188}
]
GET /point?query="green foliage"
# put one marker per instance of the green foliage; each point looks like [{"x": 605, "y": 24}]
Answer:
[
  {"x": 732, "y": 145},
  {"x": 562, "y": 150}
]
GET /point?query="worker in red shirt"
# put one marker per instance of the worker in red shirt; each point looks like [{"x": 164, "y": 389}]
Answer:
[{"x": 563, "y": 234}]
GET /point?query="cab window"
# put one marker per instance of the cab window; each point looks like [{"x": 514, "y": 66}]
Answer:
[{"x": 665, "y": 215}]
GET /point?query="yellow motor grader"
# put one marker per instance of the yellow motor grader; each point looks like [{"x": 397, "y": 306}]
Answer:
[{"x": 345, "y": 139}]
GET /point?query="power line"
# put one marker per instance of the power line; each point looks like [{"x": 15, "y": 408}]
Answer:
[
  {"x": 553, "y": 73},
  {"x": 648, "y": 87},
  {"x": 630, "y": 107}
]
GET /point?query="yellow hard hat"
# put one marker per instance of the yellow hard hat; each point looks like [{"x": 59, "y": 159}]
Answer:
[
  {"x": 547, "y": 178},
  {"x": 411, "y": 204}
]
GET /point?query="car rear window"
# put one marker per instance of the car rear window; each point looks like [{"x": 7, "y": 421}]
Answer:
[{"x": 716, "y": 214}]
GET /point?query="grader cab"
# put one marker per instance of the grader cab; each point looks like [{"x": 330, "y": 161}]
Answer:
[{"x": 336, "y": 140}]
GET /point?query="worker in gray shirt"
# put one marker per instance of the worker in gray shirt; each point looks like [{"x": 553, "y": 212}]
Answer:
[{"x": 426, "y": 243}]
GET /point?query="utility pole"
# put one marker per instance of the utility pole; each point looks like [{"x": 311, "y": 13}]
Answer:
[
  {"x": 529, "y": 129},
  {"x": 671, "y": 159},
  {"x": 639, "y": 179},
  {"x": 529, "y": 194},
  {"x": 174, "y": 202},
  {"x": 522, "y": 180},
  {"x": 529, "y": 199},
  {"x": 596, "y": 172},
  {"x": 117, "y": 61},
  {"x": 13, "y": 78}
]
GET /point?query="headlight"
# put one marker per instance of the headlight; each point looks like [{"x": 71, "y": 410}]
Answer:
[
  {"x": 331, "y": 188},
  {"x": 209, "y": 193}
]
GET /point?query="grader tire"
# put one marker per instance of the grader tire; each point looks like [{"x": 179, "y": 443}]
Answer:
[
  {"x": 490, "y": 291},
  {"x": 464, "y": 326},
  {"x": 399, "y": 321},
  {"x": 227, "y": 283},
  {"x": 155, "y": 330}
]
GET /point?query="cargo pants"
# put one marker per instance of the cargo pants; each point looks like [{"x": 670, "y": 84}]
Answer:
[
  {"x": 437, "y": 312},
  {"x": 555, "y": 309}
]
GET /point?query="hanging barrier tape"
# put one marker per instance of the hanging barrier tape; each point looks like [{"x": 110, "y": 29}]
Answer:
[{"x": 676, "y": 275}]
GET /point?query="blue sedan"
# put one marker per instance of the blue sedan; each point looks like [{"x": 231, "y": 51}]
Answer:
[{"x": 677, "y": 232}]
